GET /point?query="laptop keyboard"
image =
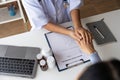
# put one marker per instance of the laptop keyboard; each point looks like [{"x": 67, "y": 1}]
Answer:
[{"x": 16, "y": 66}]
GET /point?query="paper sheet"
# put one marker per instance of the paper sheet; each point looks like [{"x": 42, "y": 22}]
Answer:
[{"x": 66, "y": 50}]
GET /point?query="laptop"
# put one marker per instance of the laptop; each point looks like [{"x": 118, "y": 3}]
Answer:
[{"x": 18, "y": 61}]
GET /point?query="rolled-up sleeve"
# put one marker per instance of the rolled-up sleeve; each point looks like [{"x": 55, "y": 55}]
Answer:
[
  {"x": 75, "y": 4},
  {"x": 35, "y": 13}
]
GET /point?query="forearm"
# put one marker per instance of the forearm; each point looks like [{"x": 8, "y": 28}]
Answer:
[
  {"x": 57, "y": 28},
  {"x": 75, "y": 15}
]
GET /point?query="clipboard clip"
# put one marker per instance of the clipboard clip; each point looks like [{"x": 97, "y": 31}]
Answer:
[{"x": 75, "y": 63}]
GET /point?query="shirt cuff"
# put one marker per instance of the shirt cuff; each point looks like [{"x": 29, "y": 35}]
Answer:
[{"x": 94, "y": 58}]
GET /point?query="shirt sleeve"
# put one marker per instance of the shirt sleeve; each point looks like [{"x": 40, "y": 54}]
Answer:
[
  {"x": 75, "y": 4},
  {"x": 35, "y": 13},
  {"x": 94, "y": 58}
]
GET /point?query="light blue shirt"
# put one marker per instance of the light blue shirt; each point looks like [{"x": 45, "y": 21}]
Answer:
[
  {"x": 94, "y": 58},
  {"x": 40, "y": 12}
]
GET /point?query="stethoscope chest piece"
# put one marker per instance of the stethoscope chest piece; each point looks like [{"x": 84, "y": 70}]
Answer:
[{"x": 65, "y": 3}]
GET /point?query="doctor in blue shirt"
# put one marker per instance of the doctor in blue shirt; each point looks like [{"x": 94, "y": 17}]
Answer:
[{"x": 49, "y": 14}]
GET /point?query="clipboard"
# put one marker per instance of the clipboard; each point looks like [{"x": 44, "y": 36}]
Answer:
[{"x": 65, "y": 50}]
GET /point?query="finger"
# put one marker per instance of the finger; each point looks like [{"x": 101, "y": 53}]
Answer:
[
  {"x": 82, "y": 44},
  {"x": 73, "y": 35},
  {"x": 90, "y": 38},
  {"x": 87, "y": 37},
  {"x": 76, "y": 38},
  {"x": 84, "y": 37},
  {"x": 82, "y": 34},
  {"x": 78, "y": 35}
]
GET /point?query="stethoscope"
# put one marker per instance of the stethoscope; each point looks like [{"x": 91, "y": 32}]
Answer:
[{"x": 65, "y": 3}]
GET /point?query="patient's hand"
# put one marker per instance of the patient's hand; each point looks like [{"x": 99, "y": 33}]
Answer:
[{"x": 86, "y": 47}]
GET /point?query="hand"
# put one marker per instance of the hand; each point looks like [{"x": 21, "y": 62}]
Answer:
[
  {"x": 82, "y": 33},
  {"x": 73, "y": 35},
  {"x": 86, "y": 47}
]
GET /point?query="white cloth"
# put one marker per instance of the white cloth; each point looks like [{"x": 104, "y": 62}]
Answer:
[{"x": 40, "y": 12}]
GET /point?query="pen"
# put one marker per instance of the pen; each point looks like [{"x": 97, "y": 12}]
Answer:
[{"x": 102, "y": 36}]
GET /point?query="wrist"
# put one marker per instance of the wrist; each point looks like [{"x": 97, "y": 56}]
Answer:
[
  {"x": 78, "y": 27},
  {"x": 69, "y": 33},
  {"x": 91, "y": 51}
]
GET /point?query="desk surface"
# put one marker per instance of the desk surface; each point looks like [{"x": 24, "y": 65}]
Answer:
[{"x": 36, "y": 39}]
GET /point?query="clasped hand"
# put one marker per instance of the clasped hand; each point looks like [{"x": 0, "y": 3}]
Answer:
[{"x": 84, "y": 39}]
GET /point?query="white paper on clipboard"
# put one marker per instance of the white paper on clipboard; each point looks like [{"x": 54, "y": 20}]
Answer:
[{"x": 66, "y": 51}]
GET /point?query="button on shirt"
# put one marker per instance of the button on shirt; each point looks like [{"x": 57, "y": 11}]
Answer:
[{"x": 40, "y": 12}]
